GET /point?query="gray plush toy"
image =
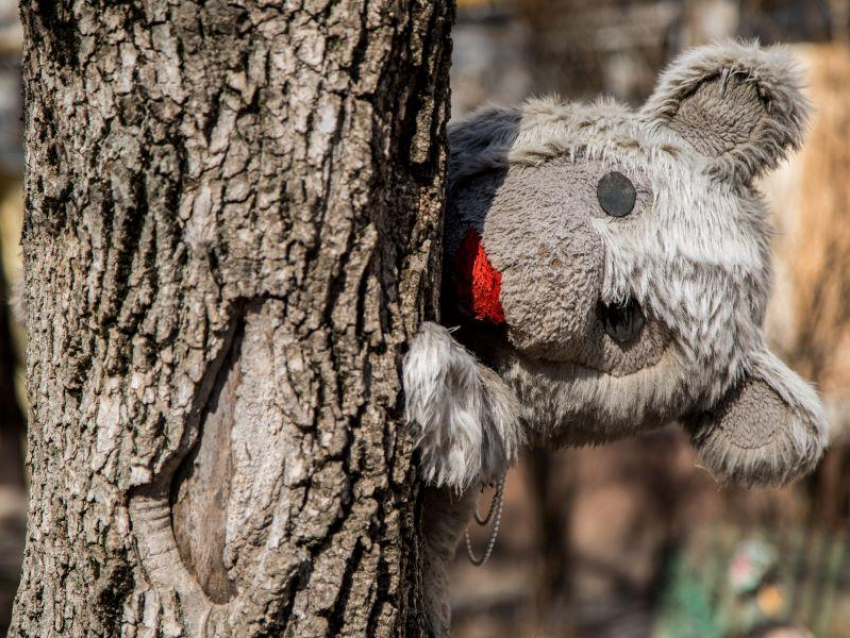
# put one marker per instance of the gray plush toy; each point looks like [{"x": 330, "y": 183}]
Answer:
[{"x": 609, "y": 271}]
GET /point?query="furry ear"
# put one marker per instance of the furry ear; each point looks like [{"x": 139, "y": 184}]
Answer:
[
  {"x": 482, "y": 141},
  {"x": 465, "y": 419},
  {"x": 738, "y": 104},
  {"x": 768, "y": 430}
]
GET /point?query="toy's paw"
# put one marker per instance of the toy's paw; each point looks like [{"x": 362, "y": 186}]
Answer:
[
  {"x": 769, "y": 430},
  {"x": 464, "y": 418}
]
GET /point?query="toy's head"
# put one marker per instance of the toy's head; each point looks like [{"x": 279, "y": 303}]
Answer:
[{"x": 613, "y": 266}]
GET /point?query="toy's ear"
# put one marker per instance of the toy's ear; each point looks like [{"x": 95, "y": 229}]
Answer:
[
  {"x": 768, "y": 430},
  {"x": 482, "y": 141},
  {"x": 464, "y": 418},
  {"x": 738, "y": 104}
]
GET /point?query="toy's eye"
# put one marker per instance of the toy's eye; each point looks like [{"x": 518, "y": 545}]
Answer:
[{"x": 616, "y": 194}]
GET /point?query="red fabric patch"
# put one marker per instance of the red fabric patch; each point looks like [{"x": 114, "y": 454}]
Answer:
[{"x": 478, "y": 283}]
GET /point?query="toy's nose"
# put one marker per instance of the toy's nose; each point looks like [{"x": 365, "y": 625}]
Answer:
[{"x": 622, "y": 322}]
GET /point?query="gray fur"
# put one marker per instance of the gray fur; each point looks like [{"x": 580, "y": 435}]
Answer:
[
  {"x": 740, "y": 104},
  {"x": 18, "y": 301},
  {"x": 482, "y": 142},
  {"x": 694, "y": 253},
  {"x": 529, "y": 239},
  {"x": 466, "y": 418},
  {"x": 445, "y": 516},
  {"x": 769, "y": 429}
]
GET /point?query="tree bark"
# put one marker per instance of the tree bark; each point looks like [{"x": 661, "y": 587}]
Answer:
[{"x": 232, "y": 228}]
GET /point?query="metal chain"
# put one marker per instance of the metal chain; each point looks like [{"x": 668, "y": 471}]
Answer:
[
  {"x": 495, "y": 506},
  {"x": 494, "y": 502}
]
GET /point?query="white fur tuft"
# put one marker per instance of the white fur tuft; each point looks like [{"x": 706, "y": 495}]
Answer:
[{"x": 463, "y": 415}]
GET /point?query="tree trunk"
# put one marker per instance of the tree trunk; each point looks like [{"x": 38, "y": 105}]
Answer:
[{"x": 232, "y": 228}]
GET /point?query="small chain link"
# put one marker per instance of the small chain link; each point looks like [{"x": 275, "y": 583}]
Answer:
[
  {"x": 494, "y": 503},
  {"x": 495, "y": 507}
]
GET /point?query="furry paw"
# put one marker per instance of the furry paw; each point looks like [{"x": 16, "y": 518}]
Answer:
[{"x": 464, "y": 418}]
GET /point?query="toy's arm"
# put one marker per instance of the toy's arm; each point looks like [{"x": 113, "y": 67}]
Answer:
[
  {"x": 466, "y": 423},
  {"x": 465, "y": 419},
  {"x": 768, "y": 430}
]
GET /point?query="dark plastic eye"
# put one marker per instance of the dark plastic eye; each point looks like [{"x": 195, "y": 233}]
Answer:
[{"x": 616, "y": 194}]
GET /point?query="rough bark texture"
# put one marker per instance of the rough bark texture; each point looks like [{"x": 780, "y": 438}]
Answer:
[{"x": 233, "y": 214}]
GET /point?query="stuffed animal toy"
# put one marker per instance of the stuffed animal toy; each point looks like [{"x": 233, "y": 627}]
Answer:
[{"x": 606, "y": 272}]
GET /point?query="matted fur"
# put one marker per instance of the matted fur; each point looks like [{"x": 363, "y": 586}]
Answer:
[
  {"x": 800, "y": 438},
  {"x": 696, "y": 257},
  {"x": 466, "y": 419},
  {"x": 775, "y": 77}
]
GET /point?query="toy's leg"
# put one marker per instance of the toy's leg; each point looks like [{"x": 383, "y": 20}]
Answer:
[
  {"x": 464, "y": 418},
  {"x": 466, "y": 424},
  {"x": 445, "y": 515}
]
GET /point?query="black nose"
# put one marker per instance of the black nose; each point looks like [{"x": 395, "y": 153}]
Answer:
[{"x": 622, "y": 321}]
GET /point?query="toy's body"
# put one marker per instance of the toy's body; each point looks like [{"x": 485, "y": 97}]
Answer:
[{"x": 609, "y": 270}]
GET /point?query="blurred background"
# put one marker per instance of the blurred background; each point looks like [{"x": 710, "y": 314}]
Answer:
[
  {"x": 632, "y": 539},
  {"x": 13, "y": 502}
]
